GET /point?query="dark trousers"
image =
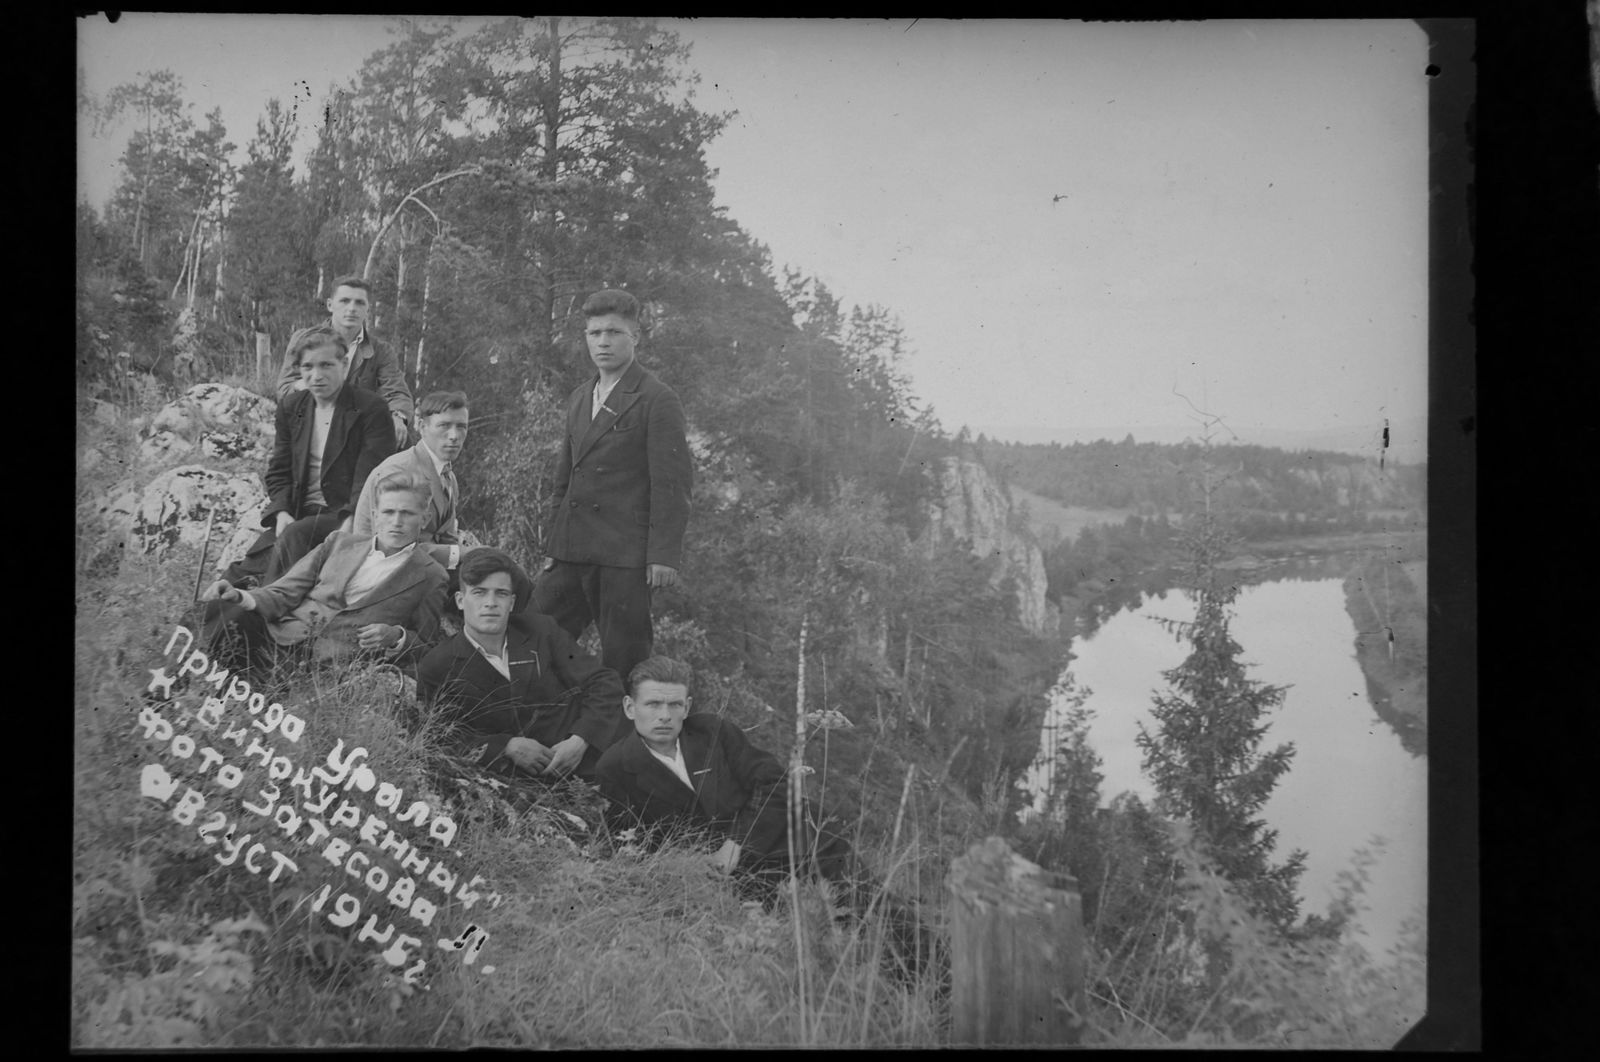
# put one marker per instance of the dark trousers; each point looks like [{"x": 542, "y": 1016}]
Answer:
[
  {"x": 236, "y": 638},
  {"x": 615, "y": 600},
  {"x": 273, "y": 554}
]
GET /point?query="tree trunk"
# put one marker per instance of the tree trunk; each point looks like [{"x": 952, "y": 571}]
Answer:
[
  {"x": 422, "y": 329},
  {"x": 399, "y": 297},
  {"x": 1016, "y": 951},
  {"x": 549, "y": 168}
]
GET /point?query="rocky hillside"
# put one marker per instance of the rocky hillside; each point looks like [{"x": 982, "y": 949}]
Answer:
[{"x": 973, "y": 507}]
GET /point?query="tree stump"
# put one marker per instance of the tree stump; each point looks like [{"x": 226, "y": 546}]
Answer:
[{"x": 1016, "y": 951}]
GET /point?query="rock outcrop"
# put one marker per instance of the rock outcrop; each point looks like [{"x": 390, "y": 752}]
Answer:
[
  {"x": 973, "y": 507},
  {"x": 176, "y": 506},
  {"x": 218, "y": 420}
]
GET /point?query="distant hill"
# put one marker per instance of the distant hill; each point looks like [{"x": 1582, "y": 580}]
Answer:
[
  {"x": 1151, "y": 478},
  {"x": 1408, "y": 436}
]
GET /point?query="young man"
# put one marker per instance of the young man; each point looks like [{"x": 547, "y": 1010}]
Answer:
[
  {"x": 514, "y": 683},
  {"x": 622, "y": 490},
  {"x": 329, "y": 438},
  {"x": 371, "y": 367},
  {"x": 698, "y": 776},
  {"x": 442, "y": 416},
  {"x": 349, "y": 596},
  {"x": 699, "y": 773}
]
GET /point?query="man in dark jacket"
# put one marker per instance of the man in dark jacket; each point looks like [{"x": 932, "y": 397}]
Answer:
[
  {"x": 372, "y": 367},
  {"x": 697, "y": 777},
  {"x": 329, "y": 438},
  {"x": 622, "y": 493},
  {"x": 513, "y": 684},
  {"x": 678, "y": 774}
]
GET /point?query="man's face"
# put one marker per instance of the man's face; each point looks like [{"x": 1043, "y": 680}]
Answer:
[
  {"x": 322, "y": 370},
  {"x": 348, "y": 308},
  {"x": 398, "y": 519},
  {"x": 486, "y": 608},
  {"x": 446, "y": 433},
  {"x": 657, "y": 711},
  {"x": 611, "y": 338}
]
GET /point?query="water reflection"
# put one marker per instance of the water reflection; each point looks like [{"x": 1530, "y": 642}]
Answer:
[{"x": 1351, "y": 779}]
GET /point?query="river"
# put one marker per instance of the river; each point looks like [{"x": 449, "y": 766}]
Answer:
[{"x": 1350, "y": 779}]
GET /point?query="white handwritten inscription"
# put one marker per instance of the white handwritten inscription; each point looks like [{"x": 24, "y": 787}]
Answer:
[{"x": 384, "y": 865}]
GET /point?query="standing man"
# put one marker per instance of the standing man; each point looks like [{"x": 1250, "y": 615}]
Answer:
[
  {"x": 622, "y": 490},
  {"x": 328, "y": 439},
  {"x": 372, "y": 368},
  {"x": 442, "y": 416}
]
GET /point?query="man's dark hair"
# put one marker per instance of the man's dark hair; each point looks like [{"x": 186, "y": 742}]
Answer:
[
  {"x": 658, "y": 669},
  {"x": 484, "y": 562},
  {"x": 316, "y": 336},
  {"x": 612, "y": 300},
  {"x": 350, "y": 281},
  {"x": 440, "y": 401}
]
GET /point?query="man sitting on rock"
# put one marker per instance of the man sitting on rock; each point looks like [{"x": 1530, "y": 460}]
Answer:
[
  {"x": 329, "y": 438},
  {"x": 377, "y": 595},
  {"x": 372, "y": 367},
  {"x": 514, "y": 683},
  {"x": 442, "y": 416}
]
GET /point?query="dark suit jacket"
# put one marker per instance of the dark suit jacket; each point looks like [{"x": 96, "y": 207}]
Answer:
[
  {"x": 622, "y": 483},
  {"x": 360, "y": 436},
  {"x": 738, "y": 788},
  {"x": 308, "y": 600},
  {"x": 555, "y": 691}
]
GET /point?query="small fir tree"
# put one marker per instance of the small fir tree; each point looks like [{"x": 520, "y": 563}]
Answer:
[{"x": 1204, "y": 756}]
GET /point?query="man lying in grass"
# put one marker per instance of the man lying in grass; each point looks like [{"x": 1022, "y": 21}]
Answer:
[
  {"x": 698, "y": 777},
  {"x": 352, "y": 595},
  {"x": 516, "y": 687}
]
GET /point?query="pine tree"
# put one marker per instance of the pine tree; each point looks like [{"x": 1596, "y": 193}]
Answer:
[{"x": 1205, "y": 755}]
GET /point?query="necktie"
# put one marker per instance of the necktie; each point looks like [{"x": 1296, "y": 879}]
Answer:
[{"x": 447, "y": 474}]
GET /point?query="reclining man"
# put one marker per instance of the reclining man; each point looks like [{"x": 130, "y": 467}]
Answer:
[
  {"x": 678, "y": 773},
  {"x": 514, "y": 683},
  {"x": 378, "y": 595},
  {"x": 443, "y": 419},
  {"x": 329, "y": 438}
]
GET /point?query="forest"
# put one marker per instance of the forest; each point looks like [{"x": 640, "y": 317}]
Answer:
[{"x": 484, "y": 183}]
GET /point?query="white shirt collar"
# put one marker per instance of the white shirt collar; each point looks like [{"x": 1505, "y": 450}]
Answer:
[
  {"x": 397, "y": 553},
  {"x": 438, "y": 462},
  {"x": 505, "y": 645}
]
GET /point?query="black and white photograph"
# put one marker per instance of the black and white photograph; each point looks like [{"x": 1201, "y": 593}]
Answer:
[{"x": 622, "y": 533}]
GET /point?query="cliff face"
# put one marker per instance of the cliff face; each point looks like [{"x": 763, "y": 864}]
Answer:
[{"x": 973, "y": 506}]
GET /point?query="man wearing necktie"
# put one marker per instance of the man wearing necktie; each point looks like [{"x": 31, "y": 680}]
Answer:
[
  {"x": 622, "y": 493},
  {"x": 442, "y": 417}
]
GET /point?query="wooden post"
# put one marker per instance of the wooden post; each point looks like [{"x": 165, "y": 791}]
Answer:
[
  {"x": 1016, "y": 951},
  {"x": 264, "y": 365}
]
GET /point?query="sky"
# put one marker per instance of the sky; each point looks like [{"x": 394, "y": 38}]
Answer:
[{"x": 1082, "y": 227}]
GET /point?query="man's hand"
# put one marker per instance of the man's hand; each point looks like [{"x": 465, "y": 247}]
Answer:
[
  {"x": 724, "y": 859},
  {"x": 659, "y": 576},
  {"x": 528, "y": 754},
  {"x": 379, "y": 636},
  {"x": 399, "y": 430},
  {"x": 285, "y": 518},
  {"x": 564, "y": 756},
  {"x": 221, "y": 590}
]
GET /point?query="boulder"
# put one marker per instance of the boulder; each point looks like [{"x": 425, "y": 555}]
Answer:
[
  {"x": 162, "y": 446},
  {"x": 176, "y": 505},
  {"x": 226, "y": 423}
]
